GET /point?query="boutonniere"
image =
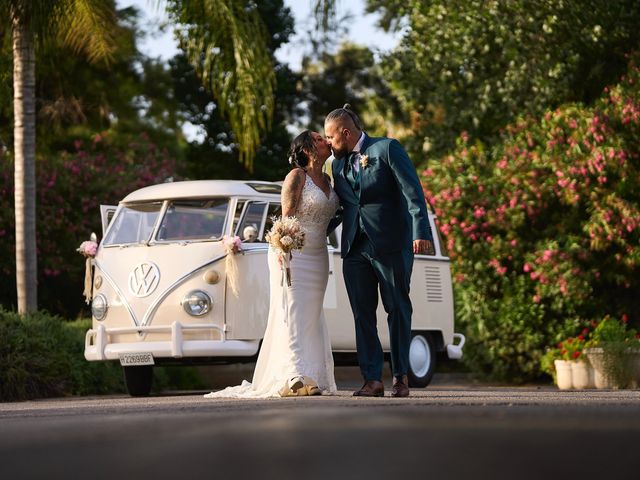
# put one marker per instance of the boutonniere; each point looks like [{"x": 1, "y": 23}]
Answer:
[{"x": 364, "y": 161}]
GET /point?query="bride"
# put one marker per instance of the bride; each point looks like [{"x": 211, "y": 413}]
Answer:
[{"x": 295, "y": 358}]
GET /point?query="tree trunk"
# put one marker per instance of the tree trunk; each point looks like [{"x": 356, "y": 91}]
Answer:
[{"x": 24, "y": 86}]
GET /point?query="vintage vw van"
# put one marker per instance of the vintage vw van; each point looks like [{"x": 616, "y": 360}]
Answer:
[{"x": 161, "y": 293}]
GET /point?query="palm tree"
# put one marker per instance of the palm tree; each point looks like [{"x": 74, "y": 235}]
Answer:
[
  {"x": 226, "y": 41},
  {"x": 84, "y": 25}
]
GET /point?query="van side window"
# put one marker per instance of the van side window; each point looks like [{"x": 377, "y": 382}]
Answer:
[
  {"x": 250, "y": 227},
  {"x": 238, "y": 213},
  {"x": 275, "y": 210}
]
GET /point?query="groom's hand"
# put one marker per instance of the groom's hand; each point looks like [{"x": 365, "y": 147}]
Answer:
[{"x": 423, "y": 247}]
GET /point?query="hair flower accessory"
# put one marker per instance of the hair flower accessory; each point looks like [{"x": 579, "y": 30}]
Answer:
[{"x": 364, "y": 161}]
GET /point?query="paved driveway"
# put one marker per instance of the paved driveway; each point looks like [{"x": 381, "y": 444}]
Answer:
[{"x": 447, "y": 431}]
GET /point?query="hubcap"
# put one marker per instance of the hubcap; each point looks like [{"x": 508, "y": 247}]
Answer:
[{"x": 419, "y": 356}]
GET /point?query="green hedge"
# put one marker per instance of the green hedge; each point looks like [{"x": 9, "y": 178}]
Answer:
[
  {"x": 42, "y": 355},
  {"x": 543, "y": 229}
]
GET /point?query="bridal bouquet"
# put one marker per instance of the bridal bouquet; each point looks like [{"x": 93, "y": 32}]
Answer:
[{"x": 286, "y": 235}]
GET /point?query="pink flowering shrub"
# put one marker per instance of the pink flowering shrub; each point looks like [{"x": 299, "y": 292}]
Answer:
[
  {"x": 543, "y": 229},
  {"x": 70, "y": 189}
]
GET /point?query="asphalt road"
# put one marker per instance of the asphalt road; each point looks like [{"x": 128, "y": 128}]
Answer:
[{"x": 447, "y": 431}]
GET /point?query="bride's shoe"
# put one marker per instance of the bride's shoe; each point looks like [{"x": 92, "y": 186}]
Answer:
[
  {"x": 300, "y": 387},
  {"x": 313, "y": 390},
  {"x": 294, "y": 387}
]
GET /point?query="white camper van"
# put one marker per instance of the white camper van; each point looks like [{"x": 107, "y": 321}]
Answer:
[{"x": 161, "y": 295}]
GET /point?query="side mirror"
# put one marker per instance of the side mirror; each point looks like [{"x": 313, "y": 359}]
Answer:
[{"x": 93, "y": 237}]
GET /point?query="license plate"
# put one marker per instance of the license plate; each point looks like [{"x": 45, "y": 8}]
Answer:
[{"x": 129, "y": 359}]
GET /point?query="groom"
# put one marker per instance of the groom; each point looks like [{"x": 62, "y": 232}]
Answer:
[{"x": 384, "y": 223}]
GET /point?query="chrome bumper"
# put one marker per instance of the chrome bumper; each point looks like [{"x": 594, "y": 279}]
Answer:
[
  {"x": 97, "y": 348},
  {"x": 454, "y": 351}
]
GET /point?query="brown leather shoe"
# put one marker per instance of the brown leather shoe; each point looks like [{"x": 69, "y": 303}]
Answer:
[
  {"x": 400, "y": 388},
  {"x": 371, "y": 388}
]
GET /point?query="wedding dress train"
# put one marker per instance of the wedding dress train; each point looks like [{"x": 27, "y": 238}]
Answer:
[{"x": 296, "y": 341}]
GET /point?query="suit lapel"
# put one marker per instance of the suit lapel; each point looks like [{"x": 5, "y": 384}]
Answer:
[{"x": 363, "y": 171}]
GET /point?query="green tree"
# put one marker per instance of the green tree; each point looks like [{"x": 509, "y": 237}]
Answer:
[
  {"x": 475, "y": 65},
  {"x": 216, "y": 153},
  {"x": 85, "y": 26},
  {"x": 351, "y": 75},
  {"x": 543, "y": 228},
  {"x": 225, "y": 40}
]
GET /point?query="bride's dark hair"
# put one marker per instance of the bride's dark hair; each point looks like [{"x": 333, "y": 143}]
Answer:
[{"x": 297, "y": 155}]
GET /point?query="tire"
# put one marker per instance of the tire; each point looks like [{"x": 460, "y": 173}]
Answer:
[
  {"x": 138, "y": 380},
  {"x": 422, "y": 360}
]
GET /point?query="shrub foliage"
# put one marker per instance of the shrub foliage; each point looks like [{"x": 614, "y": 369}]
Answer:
[
  {"x": 70, "y": 189},
  {"x": 543, "y": 228}
]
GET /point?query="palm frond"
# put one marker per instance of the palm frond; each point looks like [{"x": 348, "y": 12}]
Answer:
[
  {"x": 226, "y": 41},
  {"x": 87, "y": 26}
]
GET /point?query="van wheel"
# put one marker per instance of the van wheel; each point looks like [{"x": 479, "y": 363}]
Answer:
[
  {"x": 422, "y": 360},
  {"x": 138, "y": 380}
]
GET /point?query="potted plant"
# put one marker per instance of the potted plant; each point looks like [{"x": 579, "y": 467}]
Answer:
[
  {"x": 614, "y": 352},
  {"x": 567, "y": 364}
]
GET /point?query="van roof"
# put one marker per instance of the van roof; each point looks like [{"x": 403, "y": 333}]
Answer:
[{"x": 203, "y": 188}]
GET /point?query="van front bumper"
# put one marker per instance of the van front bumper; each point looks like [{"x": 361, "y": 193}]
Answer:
[{"x": 96, "y": 346}]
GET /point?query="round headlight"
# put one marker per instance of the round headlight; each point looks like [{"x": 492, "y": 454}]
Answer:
[
  {"x": 99, "y": 307},
  {"x": 196, "y": 303}
]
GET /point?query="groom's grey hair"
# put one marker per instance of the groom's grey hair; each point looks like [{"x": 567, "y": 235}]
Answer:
[{"x": 343, "y": 115}]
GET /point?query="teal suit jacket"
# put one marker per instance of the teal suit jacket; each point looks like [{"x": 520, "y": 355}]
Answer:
[{"x": 390, "y": 200}]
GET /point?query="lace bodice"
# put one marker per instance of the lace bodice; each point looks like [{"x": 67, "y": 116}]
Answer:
[{"x": 315, "y": 211}]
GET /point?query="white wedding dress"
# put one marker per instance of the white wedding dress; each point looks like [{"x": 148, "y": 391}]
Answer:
[{"x": 296, "y": 341}]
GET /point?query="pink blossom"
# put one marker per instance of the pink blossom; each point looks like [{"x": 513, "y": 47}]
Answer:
[{"x": 88, "y": 248}]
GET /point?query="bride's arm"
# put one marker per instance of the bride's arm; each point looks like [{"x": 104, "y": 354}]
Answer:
[{"x": 292, "y": 191}]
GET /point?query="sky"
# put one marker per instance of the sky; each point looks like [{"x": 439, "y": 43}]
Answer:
[{"x": 362, "y": 31}]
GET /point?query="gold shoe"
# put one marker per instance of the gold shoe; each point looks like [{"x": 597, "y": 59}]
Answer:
[
  {"x": 293, "y": 387},
  {"x": 313, "y": 390},
  {"x": 296, "y": 384}
]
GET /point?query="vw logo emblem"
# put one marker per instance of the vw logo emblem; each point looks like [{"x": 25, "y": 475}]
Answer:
[{"x": 144, "y": 279}]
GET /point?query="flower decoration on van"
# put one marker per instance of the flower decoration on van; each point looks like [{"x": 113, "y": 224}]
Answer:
[
  {"x": 286, "y": 235},
  {"x": 88, "y": 249},
  {"x": 232, "y": 246},
  {"x": 364, "y": 161}
]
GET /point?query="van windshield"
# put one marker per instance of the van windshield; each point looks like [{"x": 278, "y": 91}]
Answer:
[
  {"x": 193, "y": 220},
  {"x": 133, "y": 224}
]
